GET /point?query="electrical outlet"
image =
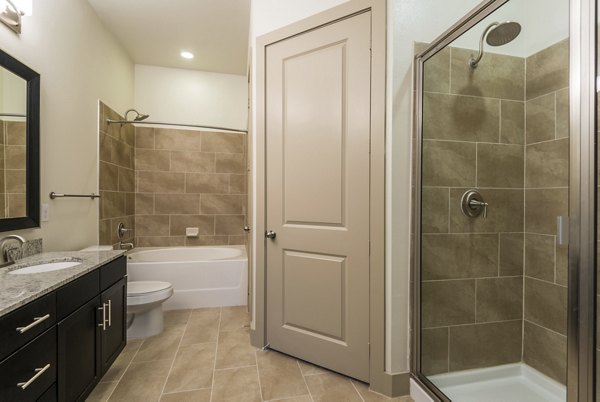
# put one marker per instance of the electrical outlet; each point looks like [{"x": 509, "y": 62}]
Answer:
[{"x": 45, "y": 212}]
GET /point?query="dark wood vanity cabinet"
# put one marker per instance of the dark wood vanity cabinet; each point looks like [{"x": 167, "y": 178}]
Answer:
[{"x": 82, "y": 338}]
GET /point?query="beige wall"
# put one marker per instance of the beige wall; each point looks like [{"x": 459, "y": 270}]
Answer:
[
  {"x": 187, "y": 178},
  {"x": 117, "y": 178},
  {"x": 79, "y": 63}
]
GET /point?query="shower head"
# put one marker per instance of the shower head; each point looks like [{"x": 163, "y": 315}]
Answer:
[
  {"x": 139, "y": 116},
  {"x": 503, "y": 33},
  {"x": 496, "y": 34}
]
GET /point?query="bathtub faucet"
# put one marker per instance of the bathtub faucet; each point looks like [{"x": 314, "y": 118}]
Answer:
[{"x": 125, "y": 246}]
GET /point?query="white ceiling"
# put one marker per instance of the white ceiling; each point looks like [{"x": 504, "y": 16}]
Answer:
[{"x": 155, "y": 31}]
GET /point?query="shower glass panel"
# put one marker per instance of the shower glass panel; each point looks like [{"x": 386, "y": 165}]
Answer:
[{"x": 494, "y": 189}]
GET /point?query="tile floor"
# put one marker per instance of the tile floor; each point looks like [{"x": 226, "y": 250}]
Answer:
[{"x": 205, "y": 355}]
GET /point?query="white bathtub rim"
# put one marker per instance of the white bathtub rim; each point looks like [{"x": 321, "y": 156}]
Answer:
[{"x": 242, "y": 248}]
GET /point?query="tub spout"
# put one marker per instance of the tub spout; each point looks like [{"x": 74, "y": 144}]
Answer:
[{"x": 125, "y": 246}]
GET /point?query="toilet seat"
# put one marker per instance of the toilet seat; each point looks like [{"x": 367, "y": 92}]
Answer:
[{"x": 144, "y": 292}]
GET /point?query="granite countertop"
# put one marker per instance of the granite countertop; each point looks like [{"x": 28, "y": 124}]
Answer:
[{"x": 18, "y": 290}]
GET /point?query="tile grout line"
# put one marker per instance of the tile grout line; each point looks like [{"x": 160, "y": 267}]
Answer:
[
  {"x": 212, "y": 385},
  {"x": 175, "y": 357},
  {"x": 125, "y": 371},
  {"x": 304, "y": 379},
  {"x": 262, "y": 398},
  {"x": 356, "y": 390}
]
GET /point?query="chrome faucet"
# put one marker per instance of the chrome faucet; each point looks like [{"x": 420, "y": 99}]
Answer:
[
  {"x": 5, "y": 248},
  {"x": 125, "y": 246}
]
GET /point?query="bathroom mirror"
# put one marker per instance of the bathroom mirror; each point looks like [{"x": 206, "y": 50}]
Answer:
[{"x": 19, "y": 145}]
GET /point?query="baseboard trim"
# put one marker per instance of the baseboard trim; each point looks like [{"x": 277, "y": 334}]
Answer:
[{"x": 392, "y": 385}]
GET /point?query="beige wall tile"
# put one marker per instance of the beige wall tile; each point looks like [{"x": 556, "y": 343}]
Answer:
[
  {"x": 105, "y": 236},
  {"x": 221, "y": 204},
  {"x": 511, "y": 254},
  {"x": 499, "y": 299},
  {"x": 485, "y": 345},
  {"x": 498, "y": 76},
  {"x": 546, "y": 305},
  {"x": 107, "y": 149},
  {"x": 222, "y": 142},
  {"x": 500, "y": 166},
  {"x": 172, "y": 139},
  {"x": 545, "y": 351},
  {"x": 237, "y": 183},
  {"x": 161, "y": 182},
  {"x": 206, "y": 183},
  {"x": 15, "y": 157},
  {"x": 548, "y": 164},
  {"x": 539, "y": 256},
  {"x": 152, "y": 225},
  {"x": 562, "y": 265},
  {"x": 237, "y": 240},
  {"x": 144, "y": 203},
  {"x": 192, "y": 162},
  {"x": 230, "y": 163},
  {"x": 434, "y": 351},
  {"x": 448, "y": 303},
  {"x": 124, "y": 155},
  {"x": 113, "y": 204},
  {"x": 130, "y": 203},
  {"x": 109, "y": 177},
  {"x": 205, "y": 224},
  {"x": 548, "y": 70},
  {"x": 458, "y": 256},
  {"x": 16, "y": 133},
  {"x": 150, "y": 159},
  {"x": 15, "y": 181},
  {"x": 207, "y": 241},
  {"x": 160, "y": 241},
  {"x": 541, "y": 119},
  {"x": 562, "y": 113},
  {"x": 460, "y": 118},
  {"x": 229, "y": 224},
  {"x": 435, "y": 209},
  {"x": 436, "y": 70},
  {"x": 126, "y": 180},
  {"x": 512, "y": 122},
  {"x": 448, "y": 163},
  {"x": 542, "y": 207},
  {"x": 177, "y": 203},
  {"x": 144, "y": 137}
]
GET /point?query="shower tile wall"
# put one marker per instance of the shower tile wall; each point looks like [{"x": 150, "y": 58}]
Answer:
[
  {"x": 188, "y": 178},
  {"x": 472, "y": 290},
  {"x": 117, "y": 178},
  {"x": 546, "y": 197},
  {"x": 12, "y": 167},
  {"x": 494, "y": 291}
]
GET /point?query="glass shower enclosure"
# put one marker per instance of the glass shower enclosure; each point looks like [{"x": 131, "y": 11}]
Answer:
[{"x": 505, "y": 217}]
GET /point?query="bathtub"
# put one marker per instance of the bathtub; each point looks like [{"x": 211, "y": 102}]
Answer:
[{"x": 207, "y": 276}]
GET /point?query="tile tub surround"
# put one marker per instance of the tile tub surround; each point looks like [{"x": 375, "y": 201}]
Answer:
[
  {"x": 205, "y": 355},
  {"x": 18, "y": 290},
  {"x": 189, "y": 178},
  {"x": 12, "y": 169},
  {"x": 501, "y": 281},
  {"x": 472, "y": 269},
  {"x": 116, "y": 177}
]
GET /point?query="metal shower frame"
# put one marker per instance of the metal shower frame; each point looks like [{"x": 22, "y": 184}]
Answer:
[{"x": 581, "y": 329}]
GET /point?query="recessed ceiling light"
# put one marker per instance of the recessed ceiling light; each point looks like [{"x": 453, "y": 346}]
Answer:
[{"x": 187, "y": 55}]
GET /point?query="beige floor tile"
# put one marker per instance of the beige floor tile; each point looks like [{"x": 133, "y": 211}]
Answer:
[
  {"x": 331, "y": 388},
  {"x": 280, "y": 376},
  {"x": 160, "y": 347},
  {"x": 369, "y": 396},
  {"x": 142, "y": 382},
  {"x": 305, "y": 398},
  {"x": 193, "y": 368},
  {"x": 234, "y": 318},
  {"x": 102, "y": 392},
  {"x": 176, "y": 317},
  {"x": 201, "y": 395},
  {"x": 202, "y": 327},
  {"x": 120, "y": 365},
  {"x": 311, "y": 369},
  {"x": 236, "y": 385},
  {"x": 234, "y": 350}
]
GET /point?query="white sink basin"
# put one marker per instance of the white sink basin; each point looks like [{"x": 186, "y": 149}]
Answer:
[{"x": 46, "y": 267}]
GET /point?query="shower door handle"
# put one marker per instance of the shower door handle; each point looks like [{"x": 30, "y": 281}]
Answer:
[{"x": 562, "y": 230}]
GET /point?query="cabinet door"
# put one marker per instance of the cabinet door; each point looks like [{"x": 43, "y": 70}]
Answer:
[
  {"x": 79, "y": 364},
  {"x": 114, "y": 333}
]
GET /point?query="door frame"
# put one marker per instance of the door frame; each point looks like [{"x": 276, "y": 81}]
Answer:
[
  {"x": 379, "y": 380},
  {"x": 581, "y": 327}
]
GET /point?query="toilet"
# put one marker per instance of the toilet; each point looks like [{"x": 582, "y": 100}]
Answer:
[{"x": 144, "y": 304}]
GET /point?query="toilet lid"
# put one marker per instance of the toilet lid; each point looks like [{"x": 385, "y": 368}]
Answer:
[{"x": 142, "y": 287}]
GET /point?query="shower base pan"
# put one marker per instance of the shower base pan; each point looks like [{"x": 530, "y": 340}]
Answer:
[{"x": 512, "y": 382}]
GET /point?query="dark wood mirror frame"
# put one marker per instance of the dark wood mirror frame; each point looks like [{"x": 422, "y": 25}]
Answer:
[{"x": 32, "y": 218}]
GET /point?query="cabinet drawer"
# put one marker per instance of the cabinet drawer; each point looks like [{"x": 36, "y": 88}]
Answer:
[
  {"x": 24, "y": 324},
  {"x": 112, "y": 272},
  {"x": 75, "y": 294},
  {"x": 28, "y": 373}
]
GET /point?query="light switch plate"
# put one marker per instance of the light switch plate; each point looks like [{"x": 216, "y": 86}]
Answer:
[{"x": 45, "y": 212}]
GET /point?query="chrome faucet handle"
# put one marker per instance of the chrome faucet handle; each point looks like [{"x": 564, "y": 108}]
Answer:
[
  {"x": 476, "y": 204},
  {"x": 121, "y": 230}
]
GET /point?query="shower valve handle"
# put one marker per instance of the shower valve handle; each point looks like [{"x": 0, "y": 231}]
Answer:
[{"x": 477, "y": 204}]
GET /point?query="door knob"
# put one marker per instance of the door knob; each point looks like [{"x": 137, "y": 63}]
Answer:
[{"x": 269, "y": 234}]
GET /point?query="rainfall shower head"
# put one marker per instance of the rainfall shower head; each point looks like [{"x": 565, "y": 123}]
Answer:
[
  {"x": 496, "y": 34},
  {"x": 139, "y": 116}
]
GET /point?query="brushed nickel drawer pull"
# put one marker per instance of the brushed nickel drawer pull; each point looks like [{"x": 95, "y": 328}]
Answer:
[
  {"x": 36, "y": 321},
  {"x": 38, "y": 372},
  {"x": 103, "y": 323},
  {"x": 110, "y": 313}
]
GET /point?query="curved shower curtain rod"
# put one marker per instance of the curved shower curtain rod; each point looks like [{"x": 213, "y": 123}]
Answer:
[{"x": 235, "y": 130}]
